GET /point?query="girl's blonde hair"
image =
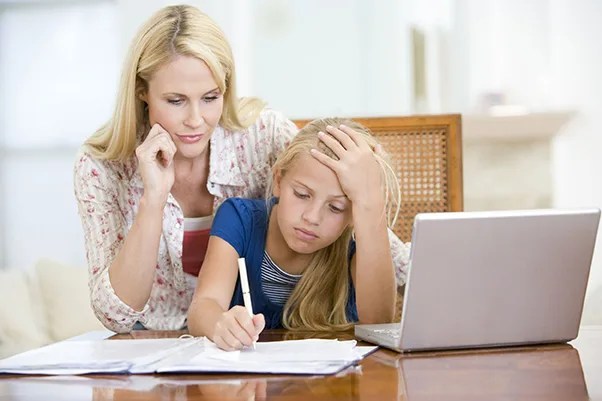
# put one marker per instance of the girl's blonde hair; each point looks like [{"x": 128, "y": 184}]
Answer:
[
  {"x": 319, "y": 300},
  {"x": 172, "y": 31}
]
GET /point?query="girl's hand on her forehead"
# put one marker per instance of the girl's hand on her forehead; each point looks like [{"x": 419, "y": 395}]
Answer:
[
  {"x": 155, "y": 163},
  {"x": 358, "y": 171},
  {"x": 236, "y": 329}
]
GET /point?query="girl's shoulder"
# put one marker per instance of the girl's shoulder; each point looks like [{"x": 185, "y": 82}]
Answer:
[{"x": 243, "y": 206}]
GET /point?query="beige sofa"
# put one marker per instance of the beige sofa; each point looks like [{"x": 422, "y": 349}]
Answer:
[{"x": 42, "y": 304}]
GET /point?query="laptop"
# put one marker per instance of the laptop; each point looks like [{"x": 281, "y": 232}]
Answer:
[{"x": 486, "y": 279}]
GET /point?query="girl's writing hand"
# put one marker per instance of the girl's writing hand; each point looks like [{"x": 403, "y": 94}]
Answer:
[
  {"x": 236, "y": 329},
  {"x": 358, "y": 171},
  {"x": 155, "y": 163}
]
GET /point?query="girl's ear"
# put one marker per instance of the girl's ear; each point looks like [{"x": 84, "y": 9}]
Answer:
[
  {"x": 277, "y": 178},
  {"x": 141, "y": 94}
]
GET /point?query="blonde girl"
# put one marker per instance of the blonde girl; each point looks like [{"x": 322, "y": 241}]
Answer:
[{"x": 317, "y": 254}]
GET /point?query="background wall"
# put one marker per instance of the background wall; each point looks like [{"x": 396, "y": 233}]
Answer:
[{"x": 60, "y": 62}]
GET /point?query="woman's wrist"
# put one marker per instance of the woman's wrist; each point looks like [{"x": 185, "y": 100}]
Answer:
[{"x": 151, "y": 205}]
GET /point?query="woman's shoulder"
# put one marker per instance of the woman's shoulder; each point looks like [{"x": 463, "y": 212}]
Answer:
[
  {"x": 87, "y": 164},
  {"x": 269, "y": 123}
]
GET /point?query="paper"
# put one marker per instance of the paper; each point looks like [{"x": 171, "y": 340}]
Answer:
[{"x": 313, "y": 356}]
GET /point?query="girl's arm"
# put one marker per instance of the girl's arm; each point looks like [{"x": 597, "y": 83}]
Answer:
[
  {"x": 361, "y": 179},
  {"x": 208, "y": 314},
  {"x": 372, "y": 268}
]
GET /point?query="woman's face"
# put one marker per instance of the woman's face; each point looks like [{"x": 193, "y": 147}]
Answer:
[{"x": 184, "y": 99}]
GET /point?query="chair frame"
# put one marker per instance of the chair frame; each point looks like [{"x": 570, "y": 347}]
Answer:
[{"x": 451, "y": 123}]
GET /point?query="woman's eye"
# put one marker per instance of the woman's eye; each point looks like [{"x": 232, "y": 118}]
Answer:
[
  {"x": 301, "y": 195},
  {"x": 209, "y": 99},
  {"x": 175, "y": 101}
]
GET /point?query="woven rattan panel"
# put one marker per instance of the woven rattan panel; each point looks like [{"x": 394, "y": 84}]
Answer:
[{"x": 419, "y": 158}]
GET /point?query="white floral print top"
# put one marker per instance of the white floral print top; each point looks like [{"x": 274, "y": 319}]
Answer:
[{"x": 108, "y": 194}]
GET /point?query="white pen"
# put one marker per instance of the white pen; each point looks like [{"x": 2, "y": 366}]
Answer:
[{"x": 244, "y": 283}]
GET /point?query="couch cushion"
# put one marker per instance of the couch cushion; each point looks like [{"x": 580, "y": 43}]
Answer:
[
  {"x": 21, "y": 328},
  {"x": 64, "y": 291}
]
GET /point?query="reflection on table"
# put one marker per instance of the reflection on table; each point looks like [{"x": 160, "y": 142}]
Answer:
[{"x": 552, "y": 372}]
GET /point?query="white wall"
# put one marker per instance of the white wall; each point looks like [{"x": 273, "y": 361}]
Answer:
[
  {"x": 576, "y": 65},
  {"x": 58, "y": 79},
  {"x": 543, "y": 55},
  {"x": 57, "y": 85}
]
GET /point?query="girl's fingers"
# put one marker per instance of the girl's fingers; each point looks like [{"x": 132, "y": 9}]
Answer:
[
  {"x": 357, "y": 138},
  {"x": 228, "y": 341},
  {"x": 325, "y": 160},
  {"x": 332, "y": 143},
  {"x": 245, "y": 332},
  {"x": 343, "y": 137},
  {"x": 259, "y": 322}
]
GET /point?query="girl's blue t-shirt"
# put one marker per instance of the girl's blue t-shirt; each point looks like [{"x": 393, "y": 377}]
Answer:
[{"x": 243, "y": 223}]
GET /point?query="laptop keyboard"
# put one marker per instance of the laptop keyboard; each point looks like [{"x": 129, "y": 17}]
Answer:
[{"x": 393, "y": 333}]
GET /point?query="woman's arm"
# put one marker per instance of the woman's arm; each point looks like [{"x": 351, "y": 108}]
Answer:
[
  {"x": 208, "y": 314},
  {"x": 116, "y": 298},
  {"x": 132, "y": 272}
]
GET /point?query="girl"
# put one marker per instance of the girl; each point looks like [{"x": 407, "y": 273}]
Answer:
[{"x": 317, "y": 253}]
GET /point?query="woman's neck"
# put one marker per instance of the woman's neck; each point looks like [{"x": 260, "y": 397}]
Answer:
[
  {"x": 187, "y": 169},
  {"x": 275, "y": 245}
]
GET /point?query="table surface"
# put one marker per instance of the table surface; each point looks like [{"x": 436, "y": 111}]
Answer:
[{"x": 570, "y": 371}]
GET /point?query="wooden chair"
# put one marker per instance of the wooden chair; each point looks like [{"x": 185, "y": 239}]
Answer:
[{"x": 426, "y": 154}]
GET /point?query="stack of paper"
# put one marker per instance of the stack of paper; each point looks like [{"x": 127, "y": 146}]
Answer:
[{"x": 313, "y": 356}]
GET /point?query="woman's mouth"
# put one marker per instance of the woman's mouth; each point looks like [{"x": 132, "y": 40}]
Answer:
[{"x": 190, "y": 138}]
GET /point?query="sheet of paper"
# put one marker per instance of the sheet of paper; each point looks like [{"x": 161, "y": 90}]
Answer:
[
  {"x": 91, "y": 356},
  {"x": 313, "y": 356}
]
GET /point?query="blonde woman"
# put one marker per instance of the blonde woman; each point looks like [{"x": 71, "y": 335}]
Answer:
[
  {"x": 306, "y": 269},
  {"x": 147, "y": 183}
]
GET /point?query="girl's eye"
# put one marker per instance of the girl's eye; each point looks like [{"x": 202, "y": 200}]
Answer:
[
  {"x": 335, "y": 209},
  {"x": 301, "y": 195},
  {"x": 175, "y": 101}
]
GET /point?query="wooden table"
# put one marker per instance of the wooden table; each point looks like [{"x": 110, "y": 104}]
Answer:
[{"x": 554, "y": 372}]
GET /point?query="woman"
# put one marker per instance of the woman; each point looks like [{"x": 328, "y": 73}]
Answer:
[
  {"x": 179, "y": 143},
  {"x": 148, "y": 182}
]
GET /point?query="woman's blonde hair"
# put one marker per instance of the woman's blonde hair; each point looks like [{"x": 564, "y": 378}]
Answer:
[
  {"x": 172, "y": 31},
  {"x": 319, "y": 300}
]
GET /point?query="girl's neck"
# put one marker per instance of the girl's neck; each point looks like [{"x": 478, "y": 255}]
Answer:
[{"x": 288, "y": 260}]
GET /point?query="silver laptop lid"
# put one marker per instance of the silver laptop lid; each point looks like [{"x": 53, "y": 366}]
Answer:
[{"x": 493, "y": 278}]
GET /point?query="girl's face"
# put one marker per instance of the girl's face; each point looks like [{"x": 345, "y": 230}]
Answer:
[
  {"x": 312, "y": 210},
  {"x": 184, "y": 99}
]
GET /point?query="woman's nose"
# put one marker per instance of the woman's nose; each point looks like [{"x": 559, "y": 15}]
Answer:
[{"x": 194, "y": 118}]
